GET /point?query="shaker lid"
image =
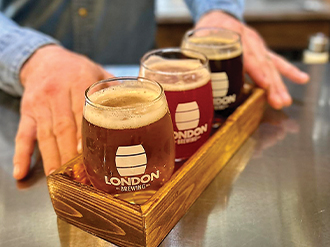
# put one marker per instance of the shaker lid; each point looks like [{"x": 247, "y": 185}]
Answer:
[{"x": 318, "y": 43}]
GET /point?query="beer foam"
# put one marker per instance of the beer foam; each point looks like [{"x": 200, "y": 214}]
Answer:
[
  {"x": 211, "y": 47},
  {"x": 125, "y": 108},
  {"x": 176, "y": 74}
]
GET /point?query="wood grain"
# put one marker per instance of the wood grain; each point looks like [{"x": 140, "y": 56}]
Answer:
[
  {"x": 146, "y": 225},
  {"x": 94, "y": 211}
]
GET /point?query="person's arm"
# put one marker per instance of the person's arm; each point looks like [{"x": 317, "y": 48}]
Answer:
[
  {"x": 198, "y": 8},
  {"x": 52, "y": 81},
  {"x": 261, "y": 64},
  {"x": 17, "y": 44}
]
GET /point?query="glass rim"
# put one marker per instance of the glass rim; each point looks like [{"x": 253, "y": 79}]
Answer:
[
  {"x": 160, "y": 95},
  {"x": 204, "y": 64},
  {"x": 190, "y": 32}
]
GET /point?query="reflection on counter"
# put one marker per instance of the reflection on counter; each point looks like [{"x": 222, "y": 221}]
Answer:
[
  {"x": 275, "y": 126},
  {"x": 222, "y": 185},
  {"x": 73, "y": 236}
]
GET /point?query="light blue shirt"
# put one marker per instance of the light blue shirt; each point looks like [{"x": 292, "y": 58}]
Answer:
[
  {"x": 200, "y": 7},
  {"x": 107, "y": 31}
]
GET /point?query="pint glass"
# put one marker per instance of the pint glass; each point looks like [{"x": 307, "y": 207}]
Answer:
[
  {"x": 185, "y": 77},
  {"x": 127, "y": 136},
  {"x": 224, "y": 50}
]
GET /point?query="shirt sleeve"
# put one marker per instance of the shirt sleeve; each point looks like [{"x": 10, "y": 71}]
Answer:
[
  {"x": 200, "y": 7},
  {"x": 17, "y": 44}
]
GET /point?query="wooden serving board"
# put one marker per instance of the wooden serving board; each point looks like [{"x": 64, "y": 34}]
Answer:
[{"x": 126, "y": 224}]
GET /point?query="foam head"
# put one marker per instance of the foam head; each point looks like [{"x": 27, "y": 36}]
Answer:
[
  {"x": 121, "y": 107},
  {"x": 176, "y": 74},
  {"x": 216, "y": 44}
]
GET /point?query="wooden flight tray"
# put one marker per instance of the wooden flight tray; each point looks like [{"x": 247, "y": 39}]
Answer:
[{"x": 127, "y": 224}]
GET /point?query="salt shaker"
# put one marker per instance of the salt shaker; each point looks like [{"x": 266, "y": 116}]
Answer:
[{"x": 318, "y": 49}]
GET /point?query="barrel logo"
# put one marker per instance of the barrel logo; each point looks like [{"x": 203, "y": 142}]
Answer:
[
  {"x": 131, "y": 160},
  {"x": 187, "y": 115},
  {"x": 220, "y": 84}
]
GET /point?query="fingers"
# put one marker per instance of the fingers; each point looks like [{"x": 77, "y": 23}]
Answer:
[
  {"x": 261, "y": 68},
  {"x": 78, "y": 100},
  {"x": 266, "y": 76},
  {"x": 257, "y": 65},
  {"x": 47, "y": 141},
  {"x": 278, "y": 95},
  {"x": 288, "y": 70},
  {"x": 64, "y": 126},
  {"x": 54, "y": 82},
  {"x": 25, "y": 139},
  {"x": 260, "y": 73},
  {"x": 78, "y": 118}
]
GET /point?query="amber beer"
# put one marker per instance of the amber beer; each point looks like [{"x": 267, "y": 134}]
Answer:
[
  {"x": 128, "y": 144},
  {"x": 224, "y": 51},
  {"x": 185, "y": 77}
]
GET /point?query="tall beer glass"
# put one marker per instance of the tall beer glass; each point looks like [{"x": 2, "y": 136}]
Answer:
[
  {"x": 127, "y": 134},
  {"x": 224, "y": 51},
  {"x": 185, "y": 77}
]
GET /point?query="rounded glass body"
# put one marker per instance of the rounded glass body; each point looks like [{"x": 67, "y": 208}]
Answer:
[
  {"x": 224, "y": 50},
  {"x": 185, "y": 77},
  {"x": 127, "y": 136}
]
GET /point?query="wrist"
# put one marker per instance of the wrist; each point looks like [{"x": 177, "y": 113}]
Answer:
[
  {"x": 37, "y": 57},
  {"x": 221, "y": 19}
]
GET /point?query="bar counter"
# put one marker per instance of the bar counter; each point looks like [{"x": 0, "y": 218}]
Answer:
[{"x": 275, "y": 191}]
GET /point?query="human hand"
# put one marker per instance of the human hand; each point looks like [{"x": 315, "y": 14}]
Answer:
[
  {"x": 262, "y": 65},
  {"x": 54, "y": 81}
]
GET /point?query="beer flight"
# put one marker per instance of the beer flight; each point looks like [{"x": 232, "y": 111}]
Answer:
[{"x": 135, "y": 128}]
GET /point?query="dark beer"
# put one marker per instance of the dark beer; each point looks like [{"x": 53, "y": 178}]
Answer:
[
  {"x": 224, "y": 52},
  {"x": 189, "y": 95},
  {"x": 128, "y": 145},
  {"x": 233, "y": 67}
]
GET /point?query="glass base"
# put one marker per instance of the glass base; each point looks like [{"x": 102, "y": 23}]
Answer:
[{"x": 136, "y": 197}]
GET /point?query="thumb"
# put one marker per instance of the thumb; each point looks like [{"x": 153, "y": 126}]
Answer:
[{"x": 25, "y": 140}]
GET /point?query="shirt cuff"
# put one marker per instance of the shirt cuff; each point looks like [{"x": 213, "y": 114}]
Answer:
[
  {"x": 232, "y": 7},
  {"x": 16, "y": 46}
]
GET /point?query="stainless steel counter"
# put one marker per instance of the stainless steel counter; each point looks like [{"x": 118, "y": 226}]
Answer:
[{"x": 275, "y": 191}]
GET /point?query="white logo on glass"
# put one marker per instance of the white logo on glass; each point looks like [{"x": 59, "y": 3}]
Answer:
[
  {"x": 220, "y": 84},
  {"x": 187, "y": 115},
  {"x": 131, "y": 160}
]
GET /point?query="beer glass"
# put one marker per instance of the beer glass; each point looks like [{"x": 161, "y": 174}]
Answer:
[
  {"x": 224, "y": 50},
  {"x": 185, "y": 77},
  {"x": 127, "y": 136}
]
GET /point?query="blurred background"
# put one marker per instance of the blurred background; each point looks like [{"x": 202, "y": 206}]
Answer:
[{"x": 285, "y": 25}]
